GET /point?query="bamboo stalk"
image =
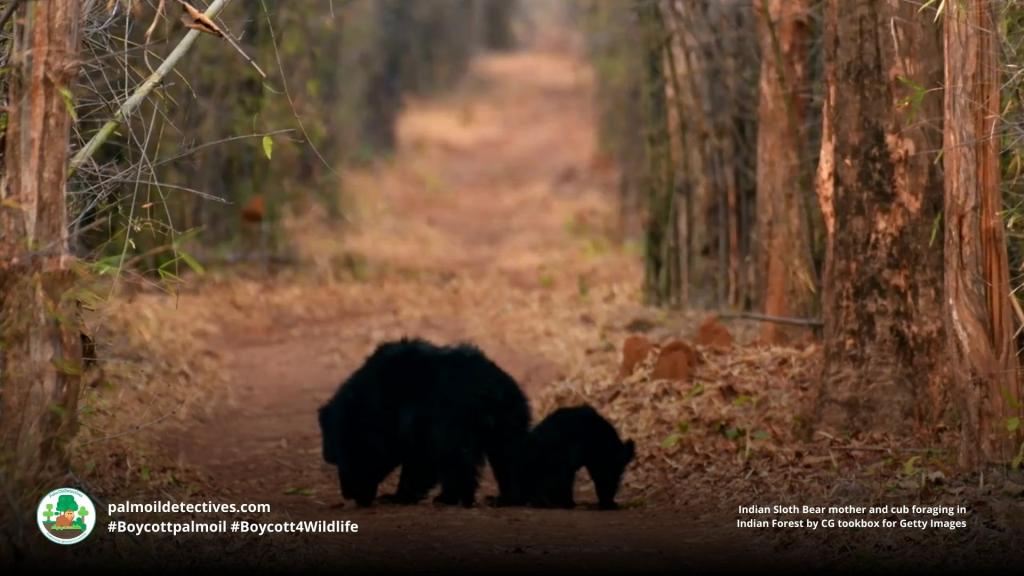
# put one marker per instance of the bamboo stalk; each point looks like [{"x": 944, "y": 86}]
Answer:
[{"x": 135, "y": 100}]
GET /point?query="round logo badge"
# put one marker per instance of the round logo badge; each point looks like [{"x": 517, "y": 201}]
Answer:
[{"x": 66, "y": 516}]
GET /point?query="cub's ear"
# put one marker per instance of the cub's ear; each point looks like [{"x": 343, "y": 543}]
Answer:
[{"x": 628, "y": 450}]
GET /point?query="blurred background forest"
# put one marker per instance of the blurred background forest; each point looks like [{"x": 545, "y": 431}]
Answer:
[
  {"x": 196, "y": 161},
  {"x": 779, "y": 242}
]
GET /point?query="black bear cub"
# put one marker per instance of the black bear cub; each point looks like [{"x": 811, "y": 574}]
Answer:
[
  {"x": 567, "y": 440},
  {"x": 436, "y": 411}
]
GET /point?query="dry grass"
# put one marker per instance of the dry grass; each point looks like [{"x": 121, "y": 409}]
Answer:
[{"x": 155, "y": 369}]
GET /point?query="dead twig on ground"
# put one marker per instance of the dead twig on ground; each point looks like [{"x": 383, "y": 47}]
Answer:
[
  {"x": 134, "y": 429},
  {"x": 788, "y": 320}
]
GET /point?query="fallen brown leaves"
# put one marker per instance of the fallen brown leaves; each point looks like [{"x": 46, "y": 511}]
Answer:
[{"x": 737, "y": 418}]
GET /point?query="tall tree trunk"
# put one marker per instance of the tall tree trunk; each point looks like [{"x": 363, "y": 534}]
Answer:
[
  {"x": 881, "y": 192},
  {"x": 387, "y": 79},
  {"x": 784, "y": 260},
  {"x": 40, "y": 355},
  {"x": 695, "y": 137},
  {"x": 497, "y": 24},
  {"x": 977, "y": 307},
  {"x": 662, "y": 262},
  {"x": 683, "y": 179}
]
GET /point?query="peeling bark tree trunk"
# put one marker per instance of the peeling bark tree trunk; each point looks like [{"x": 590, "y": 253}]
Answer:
[
  {"x": 40, "y": 355},
  {"x": 784, "y": 261},
  {"x": 881, "y": 191},
  {"x": 977, "y": 307}
]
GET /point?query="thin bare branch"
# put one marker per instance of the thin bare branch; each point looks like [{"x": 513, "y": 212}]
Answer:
[{"x": 140, "y": 94}]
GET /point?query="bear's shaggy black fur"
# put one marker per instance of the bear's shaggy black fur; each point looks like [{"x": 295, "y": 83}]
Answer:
[
  {"x": 436, "y": 411},
  {"x": 567, "y": 440}
]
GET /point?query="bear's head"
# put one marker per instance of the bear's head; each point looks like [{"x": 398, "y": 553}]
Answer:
[
  {"x": 347, "y": 443},
  {"x": 329, "y": 430}
]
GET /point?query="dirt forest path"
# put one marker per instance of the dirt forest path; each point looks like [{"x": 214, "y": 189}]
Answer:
[{"x": 491, "y": 224}]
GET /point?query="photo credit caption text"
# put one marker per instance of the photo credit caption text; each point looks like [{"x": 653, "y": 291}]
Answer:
[{"x": 914, "y": 516}]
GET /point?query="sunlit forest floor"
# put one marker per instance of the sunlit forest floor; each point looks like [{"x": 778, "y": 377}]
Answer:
[{"x": 494, "y": 223}]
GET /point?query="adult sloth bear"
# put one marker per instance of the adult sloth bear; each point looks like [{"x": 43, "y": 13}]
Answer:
[
  {"x": 433, "y": 410},
  {"x": 567, "y": 440}
]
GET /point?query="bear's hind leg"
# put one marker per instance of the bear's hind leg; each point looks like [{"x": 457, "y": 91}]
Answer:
[
  {"x": 417, "y": 478},
  {"x": 555, "y": 489},
  {"x": 606, "y": 484},
  {"x": 459, "y": 479},
  {"x": 562, "y": 490},
  {"x": 508, "y": 476}
]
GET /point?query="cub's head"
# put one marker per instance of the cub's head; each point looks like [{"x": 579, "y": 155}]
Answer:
[
  {"x": 627, "y": 453},
  {"x": 611, "y": 474}
]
